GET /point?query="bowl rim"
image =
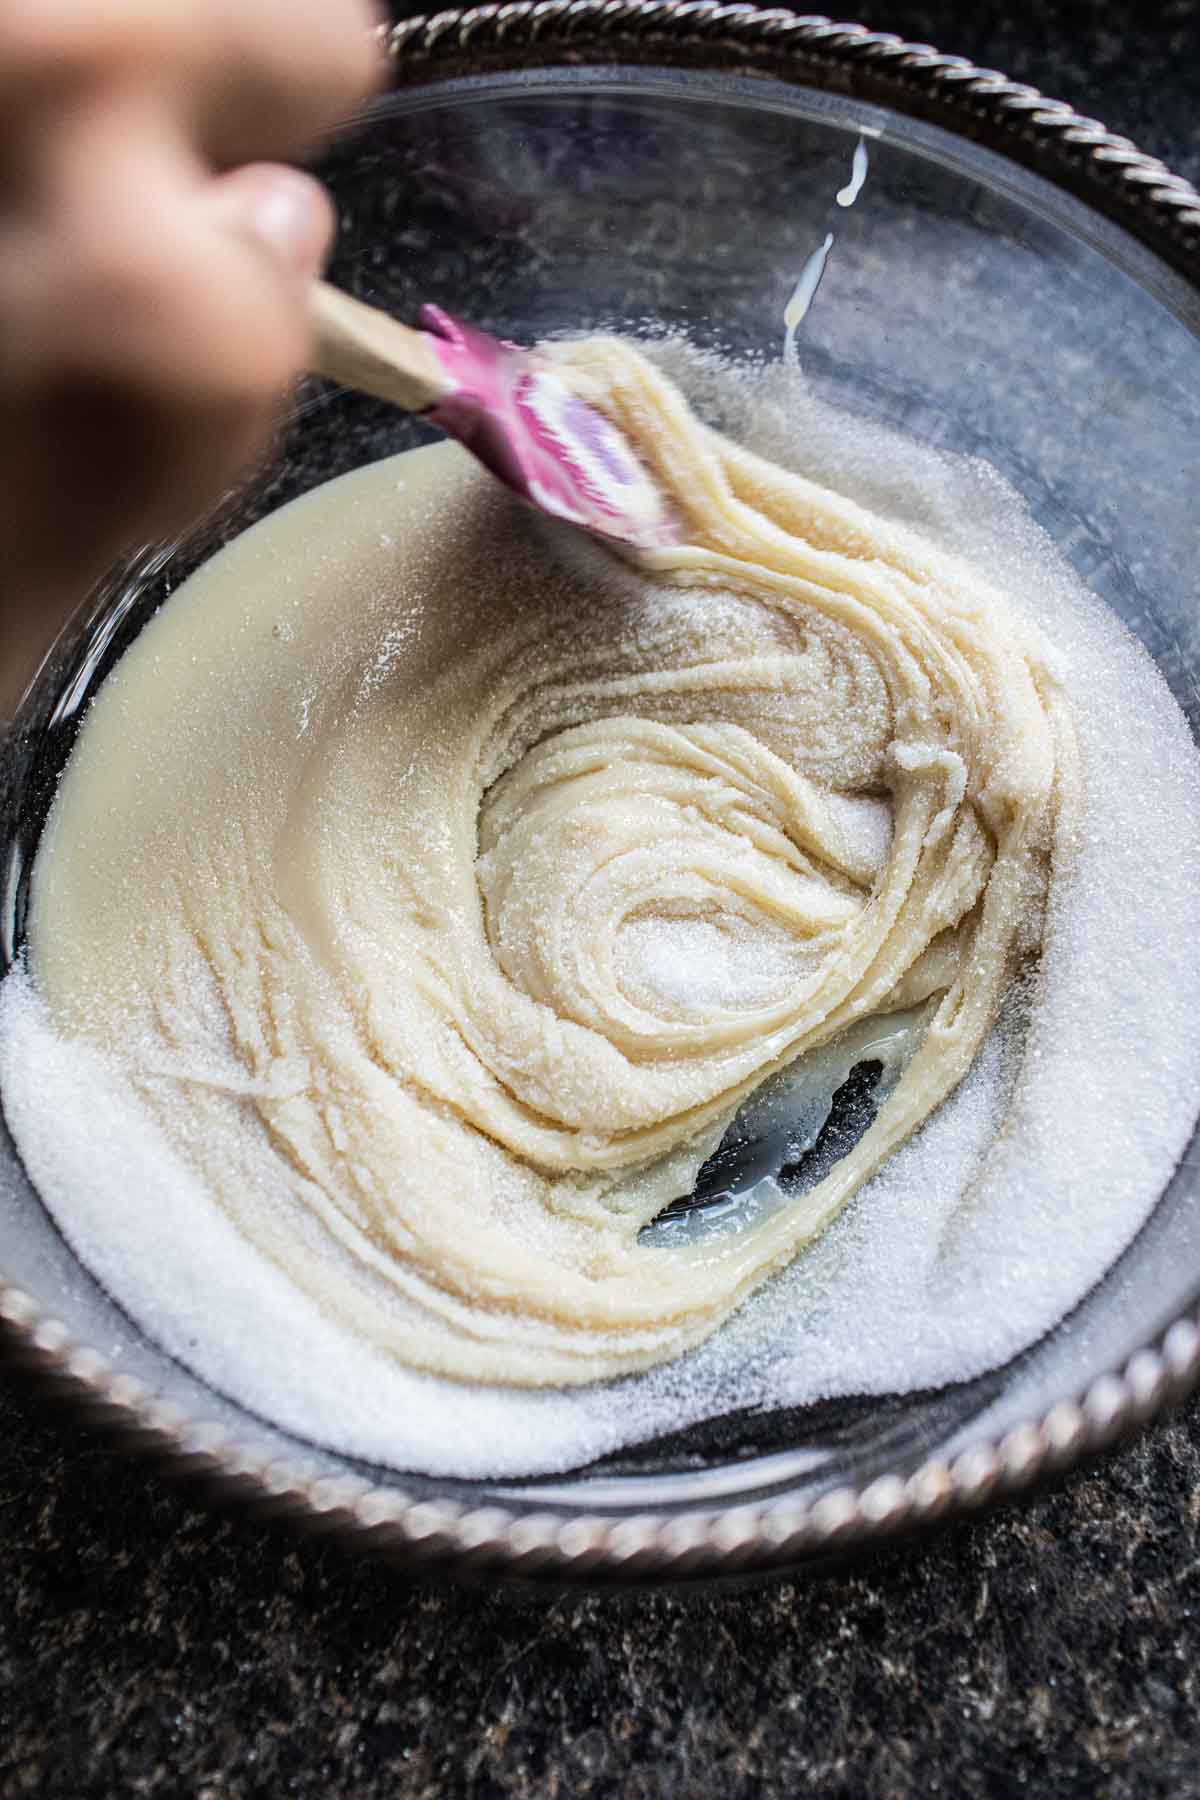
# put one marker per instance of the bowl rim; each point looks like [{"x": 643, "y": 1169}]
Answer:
[
  {"x": 1153, "y": 204},
  {"x": 1077, "y": 153}
]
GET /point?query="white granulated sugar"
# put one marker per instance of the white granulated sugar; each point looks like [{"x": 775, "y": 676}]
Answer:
[
  {"x": 964, "y": 1248},
  {"x": 700, "y": 962}
]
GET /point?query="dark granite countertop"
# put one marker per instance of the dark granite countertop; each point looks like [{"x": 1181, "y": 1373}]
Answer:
[{"x": 151, "y": 1648}]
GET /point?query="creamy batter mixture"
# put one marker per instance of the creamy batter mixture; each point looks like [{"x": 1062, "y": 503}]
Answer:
[
  {"x": 481, "y": 944},
  {"x": 435, "y": 889}
]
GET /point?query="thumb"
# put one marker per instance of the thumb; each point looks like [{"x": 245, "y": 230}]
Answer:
[{"x": 284, "y": 210}]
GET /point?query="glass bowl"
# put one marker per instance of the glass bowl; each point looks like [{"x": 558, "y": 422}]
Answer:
[{"x": 549, "y": 168}]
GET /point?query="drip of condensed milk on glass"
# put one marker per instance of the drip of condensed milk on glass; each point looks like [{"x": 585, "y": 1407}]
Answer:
[{"x": 805, "y": 290}]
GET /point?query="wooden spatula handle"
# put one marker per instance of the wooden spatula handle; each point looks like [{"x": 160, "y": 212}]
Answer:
[{"x": 365, "y": 349}]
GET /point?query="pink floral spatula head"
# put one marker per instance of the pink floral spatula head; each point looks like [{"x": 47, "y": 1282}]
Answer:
[{"x": 508, "y": 406}]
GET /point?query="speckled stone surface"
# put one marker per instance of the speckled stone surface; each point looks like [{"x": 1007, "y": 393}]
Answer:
[{"x": 149, "y": 1648}]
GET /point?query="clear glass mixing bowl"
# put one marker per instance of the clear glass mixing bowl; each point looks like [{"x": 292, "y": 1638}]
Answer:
[{"x": 966, "y": 300}]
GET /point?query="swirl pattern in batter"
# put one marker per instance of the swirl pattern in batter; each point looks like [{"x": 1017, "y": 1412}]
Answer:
[{"x": 511, "y": 872}]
